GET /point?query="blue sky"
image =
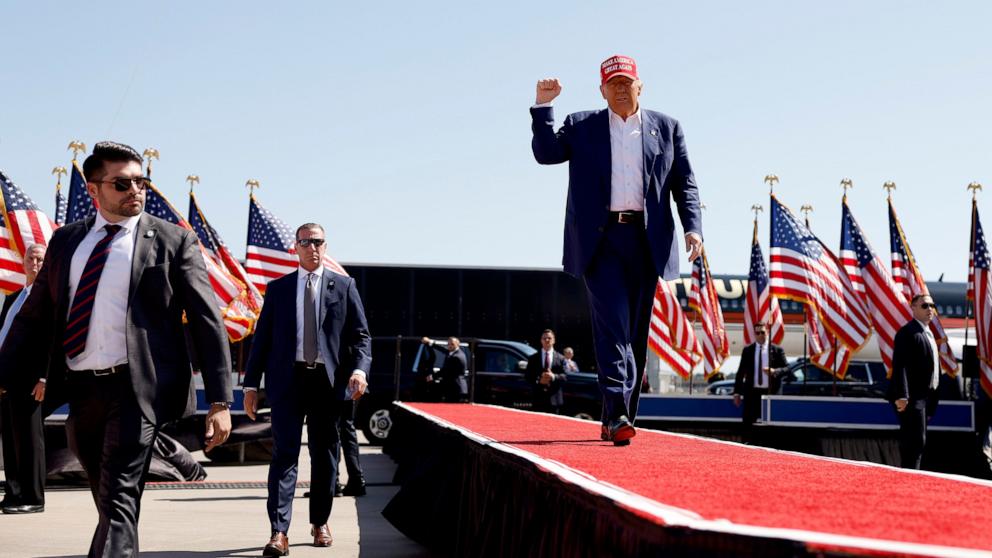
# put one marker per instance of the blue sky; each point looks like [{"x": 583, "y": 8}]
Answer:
[{"x": 403, "y": 127}]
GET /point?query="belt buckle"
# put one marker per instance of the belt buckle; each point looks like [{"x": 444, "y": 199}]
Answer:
[
  {"x": 623, "y": 216},
  {"x": 105, "y": 371},
  {"x": 309, "y": 366}
]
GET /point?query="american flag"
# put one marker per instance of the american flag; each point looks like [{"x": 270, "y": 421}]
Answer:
[
  {"x": 271, "y": 247},
  {"x": 760, "y": 306},
  {"x": 229, "y": 293},
  {"x": 705, "y": 302},
  {"x": 983, "y": 300},
  {"x": 23, "y": 225},
  {"x": 670, "y": 334},
  {"x": 219, "y": 252},
  {"x": 80, "y": 204},
  {"x": 824, "y": 350},
  {"x": 911, "y": 280},
  {"x": 803, "y": 269},
  {"x": 889, "y": 308},
  {"x": 60, "y": 206}
]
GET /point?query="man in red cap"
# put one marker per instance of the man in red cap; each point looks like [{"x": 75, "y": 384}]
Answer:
[{"x": 625, "y": 165}]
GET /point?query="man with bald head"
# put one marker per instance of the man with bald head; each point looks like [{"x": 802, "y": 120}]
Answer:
[{"x": 625, "y": 166}]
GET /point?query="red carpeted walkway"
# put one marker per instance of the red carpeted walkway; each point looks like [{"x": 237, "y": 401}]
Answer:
[{"x": 708, "y": 484}]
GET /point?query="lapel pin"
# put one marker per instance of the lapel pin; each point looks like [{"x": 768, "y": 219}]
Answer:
[
  {"x": 654, "y": 132},
  {"x": 149, "y": 234}
]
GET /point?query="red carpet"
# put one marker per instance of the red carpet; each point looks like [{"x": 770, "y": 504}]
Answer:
[{"x": 712, "y": 485}]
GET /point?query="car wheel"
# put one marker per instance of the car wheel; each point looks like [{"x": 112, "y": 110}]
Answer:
[
  {"x": 377, "y": 424},
  {"x": 583, "y": 416}
]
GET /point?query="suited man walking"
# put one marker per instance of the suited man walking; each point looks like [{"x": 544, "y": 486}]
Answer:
[
  {"x": 759, "y": 373},
  {"x": 915, "y": 377},
  {"x": 453, "y": 375},
  {"x": 22, "y": 416},
  {"x": 625, "y": 166},
  {"x": 546, "y": 373},
  {"x": 313, "y": 347},
  {"x": 105, "y": 318}
]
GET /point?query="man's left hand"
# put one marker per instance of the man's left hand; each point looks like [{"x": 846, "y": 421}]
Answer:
[
  {"x": 357, "y": 385},
  {"x": 693, "y": 245},
  {"x": 39, "y": 391},
  {"x": 218, "y": 426}
]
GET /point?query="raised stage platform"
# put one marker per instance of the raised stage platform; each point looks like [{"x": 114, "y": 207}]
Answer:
[{"x": 478, "y": 480}]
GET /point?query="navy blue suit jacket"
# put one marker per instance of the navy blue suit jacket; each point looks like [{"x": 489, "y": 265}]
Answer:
[
  {"x": 343, "y": 340},
  {"x": 584, "y": 141}
]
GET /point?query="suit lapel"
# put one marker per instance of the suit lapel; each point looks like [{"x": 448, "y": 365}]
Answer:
[
  {"x": 327, "y": 298},
  {"x": 605, "y": 148},
  {"x": 144, "y": 238},
  {"x": 650, "y": 145}
]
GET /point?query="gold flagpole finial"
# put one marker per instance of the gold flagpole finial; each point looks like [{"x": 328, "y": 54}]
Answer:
[
  {"x": 58, "y": 172},
  {"x": 193, "y": 180},
  {"x": 252, "y": 185},
  {"x": 889, "y": 186},
  {"x": 149, "y": 154},
  {"x": 806, "y": 209},
  {"x": 846, "y": 184},
  {"x": 975, "y": 189},
  {"x": 702, "y": 205},
  {"x": 77, "y": 147},
  {"x": 756, "y": 208},
  {"x": 771, "y": 180}
]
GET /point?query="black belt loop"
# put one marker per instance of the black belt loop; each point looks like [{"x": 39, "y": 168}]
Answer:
[{"x": 116, "y": 369}]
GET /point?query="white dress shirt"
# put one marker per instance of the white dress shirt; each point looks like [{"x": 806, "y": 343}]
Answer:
[
  {"x": 935, "y": 374},
  {"x": 760, "y": 379},
  {"x": 627, "y": 167},
  {"x": 301, "y": 287},
  {"x": 106, "y": 340}
]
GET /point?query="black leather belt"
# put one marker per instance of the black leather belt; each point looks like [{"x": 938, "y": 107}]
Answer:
[
  {"x": 627, "y": 217},
  {"x": 117, "y": 369},
  {"x": 305, "y": 366}
]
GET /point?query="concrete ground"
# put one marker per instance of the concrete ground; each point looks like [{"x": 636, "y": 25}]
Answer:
[{"x": 218, "y": 522}]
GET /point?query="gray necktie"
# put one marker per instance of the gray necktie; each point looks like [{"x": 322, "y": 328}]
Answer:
[{"x": 310, "y": 321}]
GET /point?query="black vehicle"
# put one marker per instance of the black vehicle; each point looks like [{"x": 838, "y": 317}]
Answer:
[
  {"x": 863, "y": 379},
  {"x": 400, "y": 367}
]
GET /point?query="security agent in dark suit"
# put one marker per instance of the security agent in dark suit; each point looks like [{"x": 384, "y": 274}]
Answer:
[
  {"x": 105, "y": 318},
  {"x": 759, "y": 373},
  {"x": 915, "y": 377},
  {"x": 313, "y": 346},
  {"x": 625, "y": 165},
  {"x": 453, "y": 376},
  {"x": 546, "y": 372},
  {"x": 22, "y": 416}
]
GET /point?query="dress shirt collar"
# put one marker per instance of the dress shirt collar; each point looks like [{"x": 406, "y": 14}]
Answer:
[
  {"x": 618, "y": 120},
  {"x": 128, "y": 224},
  {"x": 303, "y": 272},
  {"x": 925, "y": 327}
]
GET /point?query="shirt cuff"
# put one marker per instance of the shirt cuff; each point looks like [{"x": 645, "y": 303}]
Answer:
[
  {"x": 43, "y": 380},
  {"x": 543, "y": 105},
  {"x": 246, "y": 389},
  {"x": 359, "y": 371}
]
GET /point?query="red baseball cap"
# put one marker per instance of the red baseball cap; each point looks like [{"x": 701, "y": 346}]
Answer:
[{"x": 618, "y": 65}]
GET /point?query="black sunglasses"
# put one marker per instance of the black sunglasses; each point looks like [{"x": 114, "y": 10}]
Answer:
[
  {"x": 122, "y": 184},
  {"x": 315, "y": 242},
  {"x": 927, "y": 306}
]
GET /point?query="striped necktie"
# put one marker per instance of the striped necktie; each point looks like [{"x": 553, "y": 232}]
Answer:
[{"x": 74, "y": 341}]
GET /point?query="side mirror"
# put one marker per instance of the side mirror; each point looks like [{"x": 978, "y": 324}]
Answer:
[{"x": 522, "y": 365}]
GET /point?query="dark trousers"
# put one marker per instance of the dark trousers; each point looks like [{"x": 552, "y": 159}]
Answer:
[
  {"x": 113, "y": 441},
  {"x": 349, "y": 442},
  {"x": 454, "y": 390},
  {"x": 913, "y": 430},
  {"x": 23, "y": 449},
  {"x": 751, "y": 410},
  {"x": 313, "y": 402},
  {"x": 620, "y": 283}
]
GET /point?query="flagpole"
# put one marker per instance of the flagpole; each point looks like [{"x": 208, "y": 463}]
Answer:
[
  {"x": 58, "y": 172},
  {"x": 846, "y": 184},
  {"x": 193, "y": 181},
  {"x": 806, "y": 209},
  {"x": 149, "y": 154},
  {"x": 975, "y": 187}
]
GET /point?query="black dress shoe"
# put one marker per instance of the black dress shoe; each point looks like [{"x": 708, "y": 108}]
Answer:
[
  {"x": 604, "y": 433},
  {"x": 25, "y": 508},
  {"x": 354, "y": 489},
  {"x": 621, "y": 431}
]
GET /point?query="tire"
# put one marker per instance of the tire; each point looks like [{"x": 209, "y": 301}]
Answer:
[
  {"x": 377, "y": 422},
  {"x": 584, "y": 416}
]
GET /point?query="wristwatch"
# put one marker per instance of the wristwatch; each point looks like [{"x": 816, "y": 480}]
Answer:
[{"x": 224, "y": 404}]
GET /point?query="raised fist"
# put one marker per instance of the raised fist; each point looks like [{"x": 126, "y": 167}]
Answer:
[{"x": 547, "y": 90}]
